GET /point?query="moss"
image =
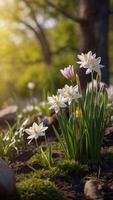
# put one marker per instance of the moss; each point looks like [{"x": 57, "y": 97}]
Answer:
[
  {"x": 37, "y": 189},
  {"x": 71, "y": 167},
  {"x": 65, "y": 167},
  {"x": 39, "y": 173},
  {"x": 36, "y": 161},
  {"x": 56, "y": 146},
  {"x": 42, "y": 173}
]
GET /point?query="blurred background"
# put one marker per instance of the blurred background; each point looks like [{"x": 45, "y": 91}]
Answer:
[{"x": 39, "y": 37}]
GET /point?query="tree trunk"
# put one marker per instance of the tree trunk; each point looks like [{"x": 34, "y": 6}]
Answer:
[
  {"x": 94, "y": 34},
  {"x": 102, "y": 28},
  {"x": 44, "y": 45}
]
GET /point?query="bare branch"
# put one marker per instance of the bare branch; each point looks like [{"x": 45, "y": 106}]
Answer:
[
  {"x": 62, "y": 11},
  {"x": 40, "y": 34},
  {"x": 65, "y": 13}
]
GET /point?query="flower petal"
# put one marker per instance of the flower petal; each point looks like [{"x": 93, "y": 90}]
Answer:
[{"x": 88, "y": 71}]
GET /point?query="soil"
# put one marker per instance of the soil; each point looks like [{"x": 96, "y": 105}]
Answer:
[{"x": 72, "y": 185}]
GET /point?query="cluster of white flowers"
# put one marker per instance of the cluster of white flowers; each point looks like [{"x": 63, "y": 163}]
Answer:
[
  {"x": 63, "y": 98},
  {"x": 101, "y": 85},
  {"x": 56, "y": 102},
  {"x": 90, "y": 62},
  {"x": 14, "y": 138},
  {"x": 11, "y": 139},
  {"x": 69, "y": 93}
]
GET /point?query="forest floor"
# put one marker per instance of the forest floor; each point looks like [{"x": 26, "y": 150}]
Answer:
[{"x": 70, "y": 182}]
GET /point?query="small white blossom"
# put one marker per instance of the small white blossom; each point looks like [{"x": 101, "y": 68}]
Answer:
[
  {"x": 31, "y": 85},
  {"x": 28, "y": 108},
  {"x": 56, "y": 102},
  {"x": 112, "y": 118},
  {"x": 68, "y": 72},
  {"x": 90, "y": 62},
  {"x": 6, "y": 137},
  {"x": 16, "y": 133},
  {"x": 69, "y": 93},
  {"x": 43, "y": 103},
  {"x": 96, "y": 84},
  {"x": 35, "y": 131},
  {"x": 20, "y": 116},
  {"x": 13, "y": 143},
  {"x": 110, "y": 93},
  {"x": 25, "y": 123}
]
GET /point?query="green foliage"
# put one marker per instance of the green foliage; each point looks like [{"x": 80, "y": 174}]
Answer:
[
  {"x": 37, "y": 189},
  {"x": 93, "y": 121},
  {"x": 43, "y": 158},
  {"x": 10, "y": 140},
  {"x": 21, "y": 53},
  {"x": 36, "y": 75},
  {"x": 42, "y": 107},
  {"x": 47, "y": 156},
  {"x": 82, "y": 133},
  {"x": 83, "y": 124},
  {"x": 71, "y": 137}
]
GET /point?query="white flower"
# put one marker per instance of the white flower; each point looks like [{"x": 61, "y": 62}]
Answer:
[
  {"x": 69, "y": 93},
  {"x": 36, "y": 131},
  {"x": 31, "y": 85},
  {"x": 16, "y": 133},
  {"x": 68, "y": 72},
  {"x": 20, "y": 132},
  {"x": 13, "y": 141},
  {"x": 56, "y": 102},
  {"x": 25, "y": 123},
  {"x": 20, "y": 116},
  {"x": 112, "y": 118},
  {"x": 96, "y": 84},
  {"x": 43, "y": 103},
  {"x": 28, "y": 108},
  {"x": 90, "y": 62},
  {"x": 110, "y": 93},
  {"x": 6, "y": 137}
]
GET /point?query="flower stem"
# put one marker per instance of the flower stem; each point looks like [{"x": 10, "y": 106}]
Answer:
[
  {"x": 36, "y": 143},
  {"x": 92, "y": 81}
]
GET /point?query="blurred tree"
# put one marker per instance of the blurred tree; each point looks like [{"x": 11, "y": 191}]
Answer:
[
  {"x": 95, "y": 30},
  {"x": 21, "y": 50},
  {"x": 93, "y": 19},
  {"x": 94, "y": 27},
  {"x": 47, "y": 33}
]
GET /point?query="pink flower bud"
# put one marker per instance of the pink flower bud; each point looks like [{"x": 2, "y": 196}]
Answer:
[{"x": 68, "y": 72}]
